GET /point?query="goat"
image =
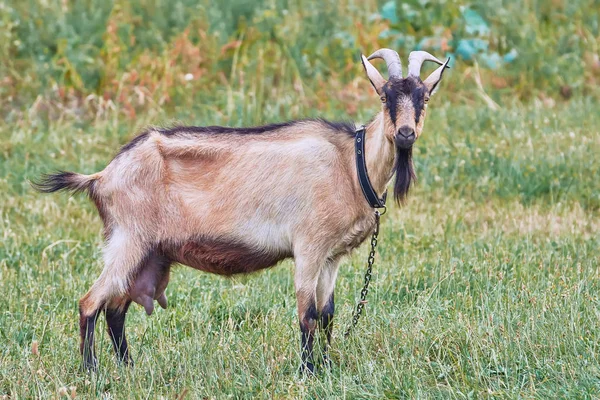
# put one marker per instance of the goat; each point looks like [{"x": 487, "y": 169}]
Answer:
[{"x": 238, "y": 200}]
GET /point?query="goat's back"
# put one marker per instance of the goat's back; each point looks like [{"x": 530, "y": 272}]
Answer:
[{"x": 264, "y": 189}]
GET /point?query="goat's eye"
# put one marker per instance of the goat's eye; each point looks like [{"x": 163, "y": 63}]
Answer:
[
  {"x": 427, "y": 99},
  {"x": 383, "y": 99}
]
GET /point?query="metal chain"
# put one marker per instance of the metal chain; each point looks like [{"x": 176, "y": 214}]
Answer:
[{"x": 365, "y": 290}]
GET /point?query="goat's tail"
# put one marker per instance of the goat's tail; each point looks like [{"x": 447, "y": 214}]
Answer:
[{"x": 63, "y": 180}]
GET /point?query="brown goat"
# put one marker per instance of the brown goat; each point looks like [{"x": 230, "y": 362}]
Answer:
[{"x": 230, "y": 201}]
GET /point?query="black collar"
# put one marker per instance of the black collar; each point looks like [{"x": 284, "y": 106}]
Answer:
[{"x": 361, "y": 168}]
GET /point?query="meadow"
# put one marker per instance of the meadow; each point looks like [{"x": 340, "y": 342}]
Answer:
[{"x": 486, "y": 282}]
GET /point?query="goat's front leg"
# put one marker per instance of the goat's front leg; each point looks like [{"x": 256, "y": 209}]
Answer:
[
  {"x": 305, "y": 279},
  {"x": 325, "y": 302}
]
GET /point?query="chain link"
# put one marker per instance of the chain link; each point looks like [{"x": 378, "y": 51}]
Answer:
[{"x": 365, "y": 290}]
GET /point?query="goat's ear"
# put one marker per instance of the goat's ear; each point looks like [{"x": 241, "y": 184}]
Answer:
[
  {"x": 436, "y": 76},
  {"x": 374, "y": 76}
]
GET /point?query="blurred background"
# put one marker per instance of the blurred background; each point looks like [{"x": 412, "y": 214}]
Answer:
[
  {"x": 486, "y": 282},
  {"x": 248, "y": 61}
]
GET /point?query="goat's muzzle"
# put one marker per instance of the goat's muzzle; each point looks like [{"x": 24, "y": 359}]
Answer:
[{"x": 405, "y": 137}]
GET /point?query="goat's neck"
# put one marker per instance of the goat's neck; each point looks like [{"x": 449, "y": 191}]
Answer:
[{"x": 380, "y": 153}]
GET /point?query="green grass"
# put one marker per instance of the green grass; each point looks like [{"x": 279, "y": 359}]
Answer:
[{"x": 486, "y": 283}]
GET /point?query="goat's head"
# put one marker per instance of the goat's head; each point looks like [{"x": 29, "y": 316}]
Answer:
[{"x": 404, "y": 100}]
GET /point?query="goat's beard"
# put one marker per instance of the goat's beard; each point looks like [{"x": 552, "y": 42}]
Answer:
[{"x": 405, "y": 173}]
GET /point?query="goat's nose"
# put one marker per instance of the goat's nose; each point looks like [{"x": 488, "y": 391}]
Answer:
[
  {"x": 406, "y": 131},
  {"x": 405, "y": 137}
]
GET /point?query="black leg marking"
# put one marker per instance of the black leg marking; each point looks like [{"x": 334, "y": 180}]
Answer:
[
  {"x": 327, "y": 324},
  {"x": 115, "y": 321},
  {"x": 87, "y": 325},
  {"x": 308, "y": 326}
]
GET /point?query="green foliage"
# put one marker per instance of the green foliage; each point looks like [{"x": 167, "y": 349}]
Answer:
[
  {"x": 540, "y": 46},
  {"x": 486, "y": 282},
  {"x": 64, "y": 45},
  {"x": 66, "y": 52}
]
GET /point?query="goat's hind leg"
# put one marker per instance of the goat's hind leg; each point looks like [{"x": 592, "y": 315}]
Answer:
[
  {"x": 122, "y": 255},
  {"x": 150, "y": 282},
  {"x": 87, "y": 326},
  {"x": 115, "y": 321}
]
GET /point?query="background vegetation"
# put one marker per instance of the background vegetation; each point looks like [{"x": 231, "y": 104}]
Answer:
[{"x": 486, "y": 282}]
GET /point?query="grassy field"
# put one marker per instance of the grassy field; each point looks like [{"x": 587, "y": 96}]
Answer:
[{"x": 486, "y": 283}]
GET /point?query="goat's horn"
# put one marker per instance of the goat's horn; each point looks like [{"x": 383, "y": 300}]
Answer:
[
  {"x": 416, "y": 60},
  {"x": 392, "y": 59}
]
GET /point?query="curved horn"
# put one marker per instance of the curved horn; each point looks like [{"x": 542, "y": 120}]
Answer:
[
  {"x": 416, "y": 60},
  {"x": 392, "y": 59}
]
